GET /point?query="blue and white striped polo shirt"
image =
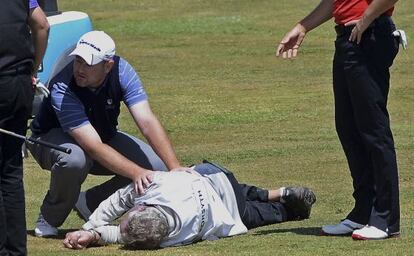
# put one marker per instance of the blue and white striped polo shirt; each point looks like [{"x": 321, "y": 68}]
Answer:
[{"x": 70, "y": 110}]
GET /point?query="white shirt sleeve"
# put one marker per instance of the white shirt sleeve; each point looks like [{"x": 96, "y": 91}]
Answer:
[
  {"x": 109, "y": 234},
  {"x": 112, "y": 208}
]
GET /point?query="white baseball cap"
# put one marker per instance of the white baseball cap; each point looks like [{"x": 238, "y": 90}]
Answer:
[{"x": 94, "y": 47}]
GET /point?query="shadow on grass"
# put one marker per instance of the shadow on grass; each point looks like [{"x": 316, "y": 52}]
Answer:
[
  {"x": 61, "y": 233},
  {"x": 308, "y": 231}
]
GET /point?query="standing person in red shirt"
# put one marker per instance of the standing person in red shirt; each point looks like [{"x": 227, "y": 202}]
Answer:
[{"x": 364, "y": 51}]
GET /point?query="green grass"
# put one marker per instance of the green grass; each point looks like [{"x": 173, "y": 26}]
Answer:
[{"x": 210, "y": 71}]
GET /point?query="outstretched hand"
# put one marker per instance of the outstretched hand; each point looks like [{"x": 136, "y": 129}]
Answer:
[
  {"x": 78, "y": 239},
  {"x": 288, "y": 47},
  {"x": 142, "y": 181}
]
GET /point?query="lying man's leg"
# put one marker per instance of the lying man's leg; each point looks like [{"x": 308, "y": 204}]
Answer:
[{"x": 258, "y": 207}]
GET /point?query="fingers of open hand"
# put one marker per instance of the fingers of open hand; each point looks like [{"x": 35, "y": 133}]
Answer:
[
  {"x": 285, "y": 44},
  {"x": 352, "y": 37},
  {"x": 280, "y": 49},
  {"x": 139, "y": 188},
  {"x": 143, "y": 182},
  {"x": 288, "y": 47},
  {"x": 291, "y": 52},
  {"x": 136, "y": 188},
  {"x": 295, "y": 51},
  {"x": 284, "y": 49},
  {"x": 357, "y": 31},
  {"x": 356, "y": 35}
]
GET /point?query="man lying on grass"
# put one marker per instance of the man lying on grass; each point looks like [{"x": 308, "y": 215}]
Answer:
[{"x": 180, "y": 208}]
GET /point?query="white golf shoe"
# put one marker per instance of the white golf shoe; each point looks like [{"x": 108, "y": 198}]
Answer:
[
  {"x": 345, "y": 227},
  {"x": 369, "y": 233}
]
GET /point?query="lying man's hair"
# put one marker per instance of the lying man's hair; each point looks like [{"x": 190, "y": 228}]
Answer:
[{"x": 145, "y": 229}]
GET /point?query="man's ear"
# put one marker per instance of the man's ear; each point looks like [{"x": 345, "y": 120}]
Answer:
[{"x": 108, "y": 66}]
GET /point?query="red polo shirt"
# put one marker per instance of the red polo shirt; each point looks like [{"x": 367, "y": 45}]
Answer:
[{"x": 347, "y": 10}]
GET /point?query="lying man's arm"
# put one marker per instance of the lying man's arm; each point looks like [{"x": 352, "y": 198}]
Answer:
[
  {"x": 81, "y": 239},
  {"x": 97, "y": 230},
  {"x": 112, "y": 208},
  {"x": 84, "y": 238}
]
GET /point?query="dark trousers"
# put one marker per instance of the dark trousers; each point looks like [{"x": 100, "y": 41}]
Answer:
[
  {"x": 361, "y": 84},
  {"x": 16, "y": 96},
  {"x": 253, "y": 205}
]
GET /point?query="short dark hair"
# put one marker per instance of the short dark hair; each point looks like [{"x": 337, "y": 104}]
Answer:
[{"x": 145, "y": 229}]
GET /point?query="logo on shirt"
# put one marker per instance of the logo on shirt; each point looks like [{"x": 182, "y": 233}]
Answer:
[
  {"x": 109, "y": 104},
  {"x": 203, "y": 210}
]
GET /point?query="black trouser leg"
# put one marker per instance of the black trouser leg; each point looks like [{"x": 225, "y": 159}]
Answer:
[
  {"x": 361, "y": 85},
  {"x": 16, "y": 98},
  {"x": 353, "y": 147},
  {"x": 258, "y": 211},
  {"x": 252, "y": 193}
]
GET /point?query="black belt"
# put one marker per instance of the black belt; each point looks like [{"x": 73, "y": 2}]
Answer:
[
  {"x": 343, "y": 30},
  {"x": 346, "y": 30},
  {"x": 16, "y": 71}
]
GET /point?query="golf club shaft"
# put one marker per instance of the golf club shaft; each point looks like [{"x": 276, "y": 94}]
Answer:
[{"x": 43, "y": 143}]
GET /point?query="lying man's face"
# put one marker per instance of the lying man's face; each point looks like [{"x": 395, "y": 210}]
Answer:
[{"x": 125, "y": 220}]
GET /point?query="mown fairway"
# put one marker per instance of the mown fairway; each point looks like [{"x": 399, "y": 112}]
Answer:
[{"x": 213, "y": 80}]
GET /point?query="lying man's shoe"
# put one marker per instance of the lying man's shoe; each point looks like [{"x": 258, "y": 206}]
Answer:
[
  {"x": 299, "y": 201},
  {"x": 369, "y": 233},
  {"x": 44, "y": 229},
  {"x": 345, "y": 227}
]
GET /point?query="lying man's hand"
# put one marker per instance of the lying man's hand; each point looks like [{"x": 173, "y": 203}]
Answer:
[{"x": 79, "y": 239}]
